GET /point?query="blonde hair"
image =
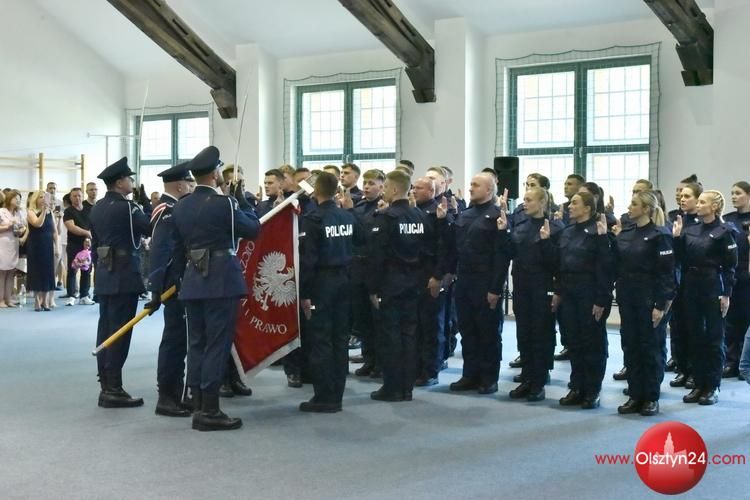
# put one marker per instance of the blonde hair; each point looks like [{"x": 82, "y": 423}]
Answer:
[
  {"x": 718, "y": 198},
  {"x": 649, "y": 200},
  {"x": 33, "y": 199},
  {"x": 541, "y": 195}
]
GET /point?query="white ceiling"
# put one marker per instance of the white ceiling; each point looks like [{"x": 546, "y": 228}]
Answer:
[{"x": 288, "y": 28}]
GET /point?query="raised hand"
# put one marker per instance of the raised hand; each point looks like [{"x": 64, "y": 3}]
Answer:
[
  {"x": 656, "y": 316},
  {"x": 502, "y": 221},
  {"x": 558, "y": 215},
  {"x": 617, "y": 228},
  {"x": 412, "y": 199},
  {"x": 504, "y": 200},
  {"x": 724, "y": 305},
  {"x": 259, "y": 194},
  {"x": 346, "y": 200},
  {"x": 442, "y": 209},
  {"x": 382, "y": 205},
  {"x": 544, "y": 231},
  {"x": 677, "y": 227},
  {"x": 601, "y": 225},
  {"x": 597, "y": 312},
  {"x": 454, "y": 204}
]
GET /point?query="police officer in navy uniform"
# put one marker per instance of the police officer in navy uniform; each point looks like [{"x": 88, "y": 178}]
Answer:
[
  {"x": 475, "y": 253},
  {"x": 397, "y": 243},
  {"x": 362, "y": 315},
  {"x": 584, "y": 287},
  {"x": 166, "y": 268},
  {"x": 738, "y": 316},
  {"x": 708, "y": 254},
  {"x": 530, "y": 245},
  {"x": 325, "y": 246},
  {"x": 432, "y": 295},
  {"x": 645, "y": 289},
  {"x": 208, "y": 226},
  {"x": 117, "y": 226}
]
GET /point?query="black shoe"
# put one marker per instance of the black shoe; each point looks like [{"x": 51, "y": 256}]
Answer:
[
  {"x": 192, "y": 399},
  {"x": 621, "y": 375},
  {"x": 113, "y": 395},
  {"x": 408, "y": 396},
  {"x": 240, "y": 389},
  {"x": 294, "y": 381},
  {"x": 730, "y": 371},
  {"x": 521, "y": 391},
  {"x": 487, "y": 389},
  {"x": 211, "y": 418},
  {"x": 516, "y": 363},
  {"x": 357, "y": 359},
  {"x": 670, "y": 366},
  {"x": 517, "y": 378},
  {"x": 708, "y": 397},
  {"x": 534, "y": 396},
  {"x": 562, "y": 355},
  {"x": 690, "y": 383},
  {"x": 443, "y": 366},
  {"x": 425, "y": 381},
  {"x": 464, "y": 384},
  {"x": 678, "y": 381},
  {"x": 354, "y": 343},
  {"x": 168, "y": 406},
  {"x": 225, "y": 391},
  {"x": 626, "y": 391},
  {"x": 649, "y": 408},
  {"x": 630, "y": 406},
  {"x": 740, "y": 377},
  {"x": 692, "y": 397},
  {"x": 573, "y": 398},
  {"x": 314, "y": 406},
  {"x": 389, "y": 397},
  {"x": 590, "y": 402},
  {"x": 364, "y": 370}
]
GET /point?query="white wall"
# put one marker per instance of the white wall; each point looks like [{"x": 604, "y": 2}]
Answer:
[{"x": 54, "y": 90}]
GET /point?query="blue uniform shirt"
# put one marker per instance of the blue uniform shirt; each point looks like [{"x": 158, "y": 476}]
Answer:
[
  {"x": 709, "y": 246},
  {"x": 165, "y": 264},
  {"x": 208, "y": 220}
]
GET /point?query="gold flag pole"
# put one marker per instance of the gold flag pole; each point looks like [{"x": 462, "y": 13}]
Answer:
[{"x": 306, "y": 188}]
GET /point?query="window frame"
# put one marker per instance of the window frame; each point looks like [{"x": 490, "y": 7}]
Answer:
[
  {"x": 348, "y": 155},
  {"x": 174, "y": 118},
  {"x": 580, "y": 149}
]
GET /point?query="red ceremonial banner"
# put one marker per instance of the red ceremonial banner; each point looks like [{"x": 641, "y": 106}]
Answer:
[{"x": 268, "y": 323}]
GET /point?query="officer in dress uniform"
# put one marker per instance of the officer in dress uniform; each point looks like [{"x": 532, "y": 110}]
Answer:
[
  {"x": 166, "y": 267},
  {"x": 645, "y": 289},
  {"x": 208, "y": 225},
  {"x": 325, "y": 246},
  {"x": 117, "y": 226},
  {"x": 432, "y": 295},
  {"x": 708, "y": 254},
  {"x": 475, "y": 253},
  {"x": 397, "y": 243}
]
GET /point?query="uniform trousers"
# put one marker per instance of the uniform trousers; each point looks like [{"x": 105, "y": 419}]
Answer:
[{"x": 211, "y": 327}]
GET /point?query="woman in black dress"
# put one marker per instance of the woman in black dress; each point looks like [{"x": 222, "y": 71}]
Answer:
[{"x": 40, "y": 251}]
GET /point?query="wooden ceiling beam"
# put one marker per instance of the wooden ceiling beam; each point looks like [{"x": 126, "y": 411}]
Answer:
[
  {"x": 162, "y": 25},
  {"x": 389, "y": 25},
  {"x": 695, "y": 38}
]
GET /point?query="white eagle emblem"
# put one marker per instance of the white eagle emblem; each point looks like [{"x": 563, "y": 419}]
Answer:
[{"x": 274, "y": 281}]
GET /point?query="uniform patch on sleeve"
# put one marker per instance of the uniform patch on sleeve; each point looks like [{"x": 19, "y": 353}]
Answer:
[{"x": 665, "y": 252}]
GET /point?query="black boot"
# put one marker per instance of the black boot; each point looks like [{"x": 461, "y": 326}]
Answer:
[
  {"x": 225, "y": 391},
  {"x": 649, "y": 408},
  {"x": 709, "y": 397},
  {"x": 562, "y": 355},
  {"x": 690, "y": 383},
  {"x": 382, "y": 395},
  {"x": 211, "y": 418},
  {"x": 590, "y": 401},
  {"x": 294, "y": 381},
  {"x": 314, "y": 406},
  {"x": 678, "y": 381},
  {"x": 573, "y": 398},
  {"x": 114, "y": 396},
  {"x": 621, "y": 375},
  {"x": 464, "y": 384},
  {"x": 518, "y": 378},
  {"x": 365, "y": 370},
  {"x": 240, "y": 389},
  {"x": 630, "y": 406},
  {"x": 693, "y": 396},
  {"x": 516, "y": 363},
  {"x": 670, "y": 366},
  {"x": 521, "y": 391},
  {"x": 169, "y": 403},
  {"x": 730, "y": 371},
  {"x": 535, "y": 395},
  {"x": 487, "y": 389}
]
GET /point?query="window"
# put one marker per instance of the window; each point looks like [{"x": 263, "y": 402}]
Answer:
[
  {"x": 590, "y": 118},
  {"x": 168, "y": 140},
  {"x": 347, "y": 122}
]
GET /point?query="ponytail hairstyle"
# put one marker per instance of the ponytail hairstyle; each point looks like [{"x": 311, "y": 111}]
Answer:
[
  {"x": 718, "y": 198},
  {"x": 651, "y": 203},
  {"x": 693, "y": 179},
  {"x": 660, "y": 198},
  {"x": 542, "y": 195},
  {"x": 598, "y": 193},
  {"x": 590, "y": 201}
]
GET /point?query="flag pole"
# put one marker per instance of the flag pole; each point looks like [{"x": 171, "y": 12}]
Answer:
[{"x": 305, "y": 188}]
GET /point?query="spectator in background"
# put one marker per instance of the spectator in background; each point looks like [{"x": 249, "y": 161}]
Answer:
[
  {"x": 349, "y": 178},
  {"x": 155, "y": 198},
  {"x": 61, "y": 265},
  {"x": 12, "y": 228},
  {"x": 40, "y": 250},
  {"x": 54, "y": 201},
  {"x": 76, "y": 219},
  {"x": 333, "y": 170},
  {"x": 91, "y": 193}
]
